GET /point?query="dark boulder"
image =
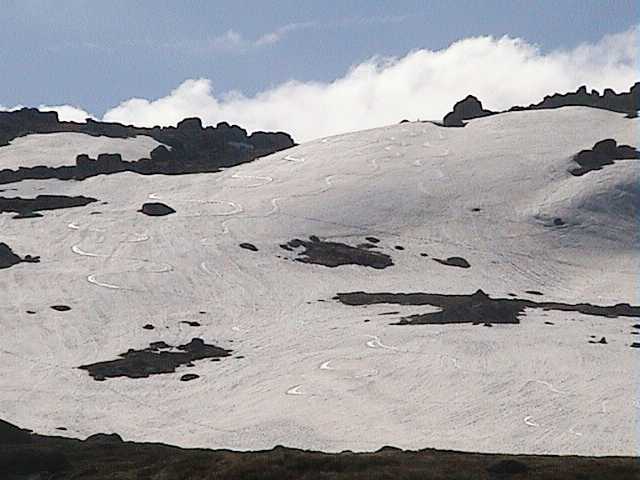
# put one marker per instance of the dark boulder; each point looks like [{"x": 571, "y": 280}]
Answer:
[{"x": 156, "y": 209}]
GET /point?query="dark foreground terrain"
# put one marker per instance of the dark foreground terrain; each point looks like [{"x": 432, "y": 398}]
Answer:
[{"x": 35, "y": 457}]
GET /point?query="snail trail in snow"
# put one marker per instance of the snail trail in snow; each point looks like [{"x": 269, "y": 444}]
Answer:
[
  {"x": 156, "y": 359},
  {"x": 476, "y": 308}
]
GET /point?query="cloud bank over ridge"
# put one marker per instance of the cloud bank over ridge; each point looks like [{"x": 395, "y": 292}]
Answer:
[{"x": 423, "y": 84}]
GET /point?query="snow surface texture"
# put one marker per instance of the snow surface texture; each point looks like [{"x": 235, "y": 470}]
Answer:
[
  {"x": 59, "y": 149},
  {"x": 315, "y": 374}
]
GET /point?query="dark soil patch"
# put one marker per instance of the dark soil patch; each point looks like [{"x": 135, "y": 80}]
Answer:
[
  {"x": 477, "y": 307},
  {"x": 453, "y": 262},
  {"x": 335, "y": 254},
  {"x": 249, "y": 246},
  {"x": 604, "y": 152},
  {"x": 61, "y": 308},
  {"x": 157, "y": 359},
  {"x": 101, "y": 457},
  {"x": 156, "y": 209},
  {"x": 27, "y": 207}
]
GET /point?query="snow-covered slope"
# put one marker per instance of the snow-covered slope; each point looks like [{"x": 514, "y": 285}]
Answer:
[{"x": 306, "y": 370}]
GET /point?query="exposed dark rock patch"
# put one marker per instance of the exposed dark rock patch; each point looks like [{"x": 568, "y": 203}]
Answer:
[
  {"x": 10, "y": 434},
  {"x": 372, "y": 239},
  {"x": 7, "y": 257},
  {"x": 148, "y": 326},
  {"x": 367, "y": 245},
  {"x": 602, "y": 341},
  {"x": 635, "y": 345},
  {"x": 626, "y": 102},
  {"x": 476, "y": 209},
  {"x": 335, "y": 254},
  {"x": 192, "y": 148},
  {"x": 477, "y": 307},
  {"x": 27, "y": 214},
  {"x": 248, "y": 246},
  {"x": 156, "y": 209},
  {"x": 558, "y": 222},
  {"x": 104, "y": 438},
  {"x": 534, "y": 292},
  {"x": 31, "y": 312},
  {"x": 466, "y": 109},
  {"x": 63, "y": 429},
  {"x": 549, "y": 323},
  {"x": 157, "y": 359},
  {"x": 66, "y": 458},
  {"x": 399, "y": 247},
  {"x": 636, "y": 325},
  {"x": 506, "y": 468},
  {"x": 424, "y": 254},
  {"x": 26, "y": 207},
  {"x": 604, "y": 152},
  {"x": 389, "y": 313},
  {"x": 61, "y": 308},
  {"x": 191, "y": 323},
  {"x": 453, "y": 262},
  {"x": 187, "y": 377}
]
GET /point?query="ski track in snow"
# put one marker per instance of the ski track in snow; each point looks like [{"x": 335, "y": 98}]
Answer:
[
  {"x": 265, "y": 180},
  {"x": 291, "y": 158},
  {"x": 295, "y": 390},
  {"x": 325, "y": 365},
  {"x": 92, "y": 279},
  {"x": 376, "y": 343},
  {"x": 546, "y": 384}
]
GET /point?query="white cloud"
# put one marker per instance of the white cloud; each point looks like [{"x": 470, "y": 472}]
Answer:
[
  {"x": 423, "y": 84},
  {"x": 66, "y": 113}
]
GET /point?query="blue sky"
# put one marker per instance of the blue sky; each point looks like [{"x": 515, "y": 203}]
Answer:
[{"x": 96, "y": 55}]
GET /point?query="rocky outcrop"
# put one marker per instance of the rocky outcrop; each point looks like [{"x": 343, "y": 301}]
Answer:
[
  {"x": 626, "y": 102},
  {"x": 188, "y": 147},
  {"x": 604, "y": 152},
  {"x": 466, "y": 109}
]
